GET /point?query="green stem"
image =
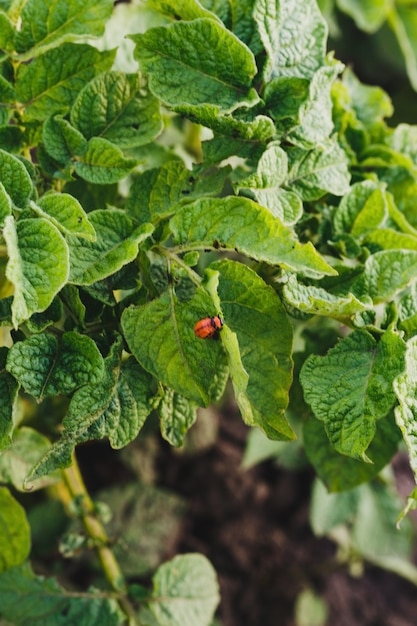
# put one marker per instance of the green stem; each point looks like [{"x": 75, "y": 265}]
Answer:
[{"x": 77, "y": 490}]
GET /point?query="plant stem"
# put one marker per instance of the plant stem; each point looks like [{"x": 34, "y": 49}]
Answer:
[{"x": 77, "y": 490}]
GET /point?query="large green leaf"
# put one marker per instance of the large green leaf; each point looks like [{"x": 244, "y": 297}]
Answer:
[
  {"x": 351, "y": 387},
  {"x": 52, "y": 81},
  {"x": 47, "y": 24},
  {"x": 241, "y": 225},
  {"x": 254, "y": 312},
  {"x": 15, "y": 533},
  {"x": 196, "y": 63},
  {"x": 38, "y": 264}
]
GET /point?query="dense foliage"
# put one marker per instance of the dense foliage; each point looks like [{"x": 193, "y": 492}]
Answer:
[{"x": 241, "y": 171}]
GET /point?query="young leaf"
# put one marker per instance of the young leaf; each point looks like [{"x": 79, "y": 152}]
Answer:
[
  {"x": 66, "y": 213},
  {"x": 38, "y": 264},
  {"x": 239, "y": 224},
  {"x": 177, "y": 415},
  {"x": 15, "y": 181},
  {"x": 294, "y": 35},
  {"x": 103, "y": 163},
  {"x": 62, "y": 141},
  {"x": 116, "y": 107},
  {"x": 266, "y": 186},
  {"x": 351, "y": 387},
  {"x": 46, "y": 25},
  {"x": 318, "y": 171},
  {"x": 45, "y": 367},
  {"x": 52, "y": 81},
  {"x": 8, "y": 393},
  {"x": 160, "y": 335},
  {"x": 387, "y": 272},
  {"x": 36, "y": 600},
  {"x": 362, "y": 209},
  {"x": 7, "y": 32},
  {"x": 368, "y": 14},
  {"x": 15, "y": 533},
  {"x": 116, "y": 245},
  {"x": 185, "y": 592},
  {"x": 196, "y": 63}
]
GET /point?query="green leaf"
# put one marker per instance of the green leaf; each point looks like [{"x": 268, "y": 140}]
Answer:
[
  {"x": 369, "y": 15},
  {"x": 52, "y": 81},
  {"x": 7, "y": 32},
  {"x": 371, "y": 104},
  {"x": 318, "y": 301},
  {"x": 405, "y": 387},
  {"x": 115, "y": 407},
  {"x": 403, "y": 22},
  {"x": 265, "y": 186},
  {"x": 26, "y": 449},
  {"x": 315, "y": 172},
  {"x": 15, "y": 533},
  {"x": 254, "y": 312},
  {"x": 15, "y": 181},
  {"x": 62, "y": 141},
  {"x": 185, "y": 592},
  {"x": 294, "y": 35},
  {"x": 8, "y": 394},
  {"x": 362, "y": 209},
  {"x": 197, "y": 63},
  {"x": 160, "y": 335},
  {"x": 38, "y": 601},
  {"x": 116, "y": 244},
  {"x": 387, "y": 272},
  {"x": 5, "y": 204},
  {"x": 239, "y": 224},
  {"x": 177, "y": 415},
  {"x": 187, "y": 10},
  {"x": 116, "y": 107},
  {"x": 339, "y": 472},
  {"x": 351, "y": 387},
  {"x": 66, "y": 213},
  {"x": 103, "y": 163},
  {"x": 45, "y": 367},
  {"x": 46, "y": 25},
  {"x": 38, "y": 265}
]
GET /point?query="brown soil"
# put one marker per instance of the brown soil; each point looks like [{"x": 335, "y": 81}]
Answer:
[{"x": 253, "y": 526}]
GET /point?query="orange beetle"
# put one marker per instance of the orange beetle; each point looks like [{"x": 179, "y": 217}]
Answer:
[{"x": 208, "y": 327}]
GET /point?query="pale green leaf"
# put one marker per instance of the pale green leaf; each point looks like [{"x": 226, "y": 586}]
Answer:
[
  {"x": 66, "y": 213},
  {"x": 254, "y": 312},
  {"x": 185, "y": 592},
  {"x": 103, "y": 163},
  {"x": 5, "y": 204},
  {"x": 45, "y": 367},
  {"x": 387, "y": 272},
  {"x": 38, "y": 265},
  {"x": 15, "y": 180},
  {"x": 369, "y": 15},
  {"x": 15, "y": 533},
  {"x": 39, "y": 601},
  {"x": 371, "y": 104},
  {"x": 196, "y": 63},
  {"x": 116, "y": 244},
  {"x": 351, "y": 387},
  {"x": 313, "y": 173},
  {"x": 47, "y": 24},
  {"x": 362, "y": 209},
  {"x": 265, "y": 186},
  {"x": 186, "y": 10},
  {"x": 403, "y": 21},
  {"x": 52, "y": 81},
  {"x": 317, "y": 301},
  {"x": 239, "y": 224},
  {"x": 116, "y": 106},
  {"x": 389, "y": 239},
  {"x": 160, "y": 335},
  {"x": 294, "y": 35}
]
